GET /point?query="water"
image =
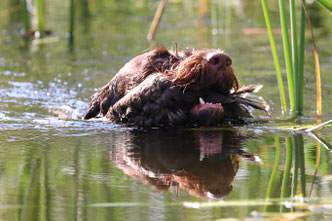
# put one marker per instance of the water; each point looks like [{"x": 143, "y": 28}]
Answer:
[{"x": 55, "y": 166}]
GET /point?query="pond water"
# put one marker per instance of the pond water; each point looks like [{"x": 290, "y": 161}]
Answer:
[{"x": 54, "y": 166}]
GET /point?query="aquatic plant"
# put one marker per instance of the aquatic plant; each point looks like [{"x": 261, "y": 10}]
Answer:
[
  {"x": 71, "y": 23},
  {"x": 37, "y": 16},
  {"x": 25, "y": 15},
  {"x": 294, "y": 54},
  {"x": 294, "y": 161},
  {"x": 275, "y": 55},
  {"x": 40, "y": 17}
]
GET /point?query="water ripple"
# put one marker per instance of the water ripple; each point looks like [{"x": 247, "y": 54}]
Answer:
[{"x": 43, "y": 106}]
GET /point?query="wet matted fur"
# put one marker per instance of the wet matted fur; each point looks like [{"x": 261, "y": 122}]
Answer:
[{"x": 165, "y": 87}]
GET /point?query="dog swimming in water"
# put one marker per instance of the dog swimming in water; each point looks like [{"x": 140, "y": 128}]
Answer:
[{"x": 167, "y": 88}]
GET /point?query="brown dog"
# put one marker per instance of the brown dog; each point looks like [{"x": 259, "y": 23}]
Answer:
[{"x": 164, "y": 87}]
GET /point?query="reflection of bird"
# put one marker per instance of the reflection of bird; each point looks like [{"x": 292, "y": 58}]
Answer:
[
  {"x": 163, "y": 87},
  {"x": 201, "y": 162}
]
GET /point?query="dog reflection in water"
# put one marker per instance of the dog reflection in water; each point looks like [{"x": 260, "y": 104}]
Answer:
[{"x": 201, "y": 162}]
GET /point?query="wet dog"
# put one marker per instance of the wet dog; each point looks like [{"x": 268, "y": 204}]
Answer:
[{"x": 164, "y": 87}]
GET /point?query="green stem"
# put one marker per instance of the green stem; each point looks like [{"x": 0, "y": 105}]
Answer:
[
  {"x": 25, "y": 15},
  {"x": 296, "y": 165},
  {"x": 273, "y": 178},
  {"x": 286, "y": 176},
  {"x": 71, "y": 18},
  {"x": 301, "y": 60},
  {"x": 287, "y": 53},
  {"x": 294, "y": 53},
  {"x": 275, "y": 55},
  {"x": 40, "y": 13},
  {"x": 326, "y": 3},
  {"x": 302, "y": 165}
]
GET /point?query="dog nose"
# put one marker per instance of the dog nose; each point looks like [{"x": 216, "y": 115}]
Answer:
[{"x": 219, "y": 60}]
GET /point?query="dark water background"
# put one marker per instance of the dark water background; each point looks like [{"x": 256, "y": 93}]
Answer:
[{"x": 53, "y": 166}]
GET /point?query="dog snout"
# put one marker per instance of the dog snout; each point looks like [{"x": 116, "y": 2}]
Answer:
[{"x": 219, "y": 60}]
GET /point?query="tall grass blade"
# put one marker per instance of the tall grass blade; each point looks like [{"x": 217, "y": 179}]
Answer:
[
  {"x": 273, "y": 178},
  {"x": 318, "y": 79},
  {"x": 287, "y": 53},
  {"x": 301, "y": 60},
  {"x": 286, "y": 176},
  {"x": 44, "y": 186},
  {"x": 71, "y": 17},
  {"x": 302, "y": 164},
  {"x": 295, "y": 57},
  {"x": 326, "y": 4},
  {"x": 296, "y": 164},
  {"x": 40, "y": 17},
  {"x": 25, "y": 15},
  {"x": 275, "y": 55}
]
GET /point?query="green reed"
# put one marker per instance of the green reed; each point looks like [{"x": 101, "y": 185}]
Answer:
[
  {"x": 38, "y": 6},
  {"x": 293, "y": 54},
  {"x": 300, "y": 153},
  {"x": 275, "y": 55},
  {"x": 274, "y": 177},
  {"x": 326, "y": 4},
  {"x": 71, "y": 20},
  {"x": 286, "y": 177},
  {"x": 25, "y": 15},
  {"x": 301, "y": 59},
  {"x": 295, "y": 57},
  {"x": 295, "y": 166},
  {"x": 294, "y": 161},
  {"x": 40, "y": 16},
  {"x": 287, "y": 53}
]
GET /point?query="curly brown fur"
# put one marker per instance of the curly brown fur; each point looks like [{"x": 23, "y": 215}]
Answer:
[
  {"x": 158, "y": 59},
  {"x": 164, "y": 87},
  {"x": 196, "y": 73}
]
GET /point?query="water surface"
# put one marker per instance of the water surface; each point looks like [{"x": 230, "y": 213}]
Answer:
[{"x": 54, "y": 166}]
